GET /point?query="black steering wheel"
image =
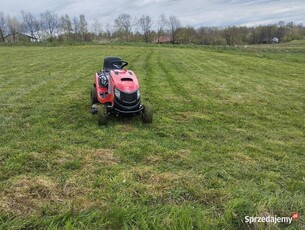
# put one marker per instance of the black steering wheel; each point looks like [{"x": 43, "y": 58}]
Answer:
[{"x": 119, "y": 64}]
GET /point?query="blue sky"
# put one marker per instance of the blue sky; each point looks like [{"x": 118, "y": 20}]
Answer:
[{"x": 191, "y": 12}]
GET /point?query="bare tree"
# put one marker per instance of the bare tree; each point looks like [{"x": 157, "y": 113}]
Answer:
[
  {"x": 38, "y": 30},
  {"x": 96, "y": 27},
  {"x": 282, "y": 30},
  {"x": 109, "y": 31},
  {"x": 174, "y": 25},
  {"x": 145, "y": 24},
  {"x": 3, "y": 27},
  {"x": 83, "y": 26},
  {"x": 14, "y": 26},
  {"x": 124, "y": 25},
  {"x": 31, "y": 24},
  {"x": 49, "y": 22},
  {"x": 75, "y": 27},
  {"x": 65, "y": 24},
  {"x": 161, "y": 25}
]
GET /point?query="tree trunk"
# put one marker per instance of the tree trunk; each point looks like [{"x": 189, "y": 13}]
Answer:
[{"x": 1, "y": 35}]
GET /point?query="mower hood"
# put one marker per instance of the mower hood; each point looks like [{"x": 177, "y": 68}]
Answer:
[{"x": 125, "y": 80}]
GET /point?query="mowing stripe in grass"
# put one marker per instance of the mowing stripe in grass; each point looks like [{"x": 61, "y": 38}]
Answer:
[
  {"x": 149, "y": 75},
  {"x": 190, "y": 71},
  {"x": 175, "y": 83},
  {"x": 146, "y": 75}
]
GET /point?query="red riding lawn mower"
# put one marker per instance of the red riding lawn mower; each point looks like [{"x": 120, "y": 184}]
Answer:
[{"x": 117, "y": 91}]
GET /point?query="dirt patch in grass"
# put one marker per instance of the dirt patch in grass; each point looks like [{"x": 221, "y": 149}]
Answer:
[
  {"x": 154, "y": 159},
  {"x": 174, "y": 187},
  {"x": 33, "y": 194},
  {"x": 30, "y": 195},
  {"x": 73, "y": 188},
  {"x": 241, "y": 157},
  {"x": 181, "y": 155},
  {"x": 100, "y": 156},
  {"x": 88, "y": 157},
  {"x": 155, "y": 184}
]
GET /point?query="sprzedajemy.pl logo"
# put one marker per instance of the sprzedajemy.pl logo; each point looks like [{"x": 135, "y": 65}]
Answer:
[{"x": 272, "y": 219}]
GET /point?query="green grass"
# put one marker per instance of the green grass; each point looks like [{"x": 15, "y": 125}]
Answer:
[{"x": 227, "y": 139}]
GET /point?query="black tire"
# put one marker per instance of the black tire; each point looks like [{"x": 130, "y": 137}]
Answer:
[
  {"x": 147, "y": 115},
  {"x": 102, "y": 115},
  {"x": 93, "y": 96}
]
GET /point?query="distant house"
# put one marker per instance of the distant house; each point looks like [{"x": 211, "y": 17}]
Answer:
[
  {"x": 275, "y": 40},
  {"x": 163, "y": 40},
  {"x": 18, "y": 37}
]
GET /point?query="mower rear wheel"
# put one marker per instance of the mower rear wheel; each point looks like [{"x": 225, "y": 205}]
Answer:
[
  {"x": 147, "y": 115},
  {"x": 102, "y": 115},
  {"x": 93, "y": 96}
]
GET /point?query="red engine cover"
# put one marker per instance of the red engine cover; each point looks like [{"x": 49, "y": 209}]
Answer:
[{"x": 124, "y": 80}]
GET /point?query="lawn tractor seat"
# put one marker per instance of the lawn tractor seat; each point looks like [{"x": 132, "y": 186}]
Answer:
[{"x": 112, "y": 63}]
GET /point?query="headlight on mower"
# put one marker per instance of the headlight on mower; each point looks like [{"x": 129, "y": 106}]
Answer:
[
  {"x": 117, "y": 93},
  {"x": 138, "y": 94}
]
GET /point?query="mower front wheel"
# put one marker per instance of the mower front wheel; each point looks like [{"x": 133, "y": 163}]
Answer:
[
  {"x": 102, "y": 115},
  {"x": 93, "y": 96},
  {"x": 147, "y": 115}
]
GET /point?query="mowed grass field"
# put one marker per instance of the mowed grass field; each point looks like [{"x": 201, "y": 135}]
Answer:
[{"x": 227, "y": 140}]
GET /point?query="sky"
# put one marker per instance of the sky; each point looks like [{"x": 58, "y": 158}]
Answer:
[{"x": 195, "y": 13}]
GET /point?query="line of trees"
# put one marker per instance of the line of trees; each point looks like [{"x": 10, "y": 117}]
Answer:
[{"x": 50, "y": 27}]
